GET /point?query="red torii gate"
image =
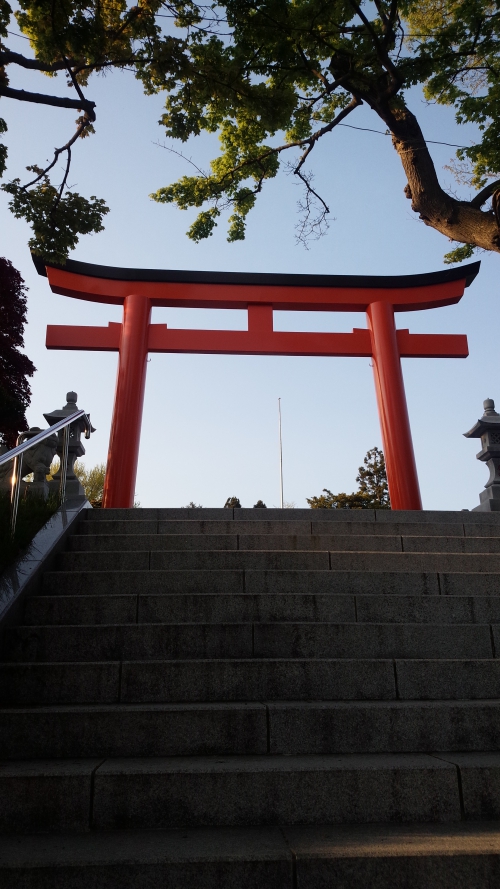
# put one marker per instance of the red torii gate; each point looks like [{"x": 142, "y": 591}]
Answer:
[{"x": 261, "y": 294}]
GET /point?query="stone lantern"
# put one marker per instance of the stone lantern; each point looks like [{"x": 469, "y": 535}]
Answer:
[
  {"x": 75, "y": 448},
  {"x": 488, "y": 430}
]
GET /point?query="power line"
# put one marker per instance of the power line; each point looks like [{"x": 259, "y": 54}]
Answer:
[{"x": 385, "y": 133}]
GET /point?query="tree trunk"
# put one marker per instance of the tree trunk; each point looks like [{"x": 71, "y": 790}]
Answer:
[{"x": 458, "y": 220}]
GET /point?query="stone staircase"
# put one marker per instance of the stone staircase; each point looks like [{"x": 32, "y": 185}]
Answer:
[{"x": 257, "y": 699}]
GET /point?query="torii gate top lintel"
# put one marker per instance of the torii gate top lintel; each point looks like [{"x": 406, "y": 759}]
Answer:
[
  {"x": 236, "y": 290},
  {"x": 138, "y": 290}
]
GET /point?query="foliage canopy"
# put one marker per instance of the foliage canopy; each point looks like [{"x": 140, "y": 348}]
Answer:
[
  {"x": 15, "y": 367},
  {"x": 372, "y": 493},
  {"x": 273, "y": 78}
]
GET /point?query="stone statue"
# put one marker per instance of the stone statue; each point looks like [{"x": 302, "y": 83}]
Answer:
[
  {"x": 36, "y": 460},
  {"x": 75, "y": 449}
]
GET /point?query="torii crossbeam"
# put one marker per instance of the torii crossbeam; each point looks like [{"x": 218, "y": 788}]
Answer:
[{"x": 138, "y": 290}]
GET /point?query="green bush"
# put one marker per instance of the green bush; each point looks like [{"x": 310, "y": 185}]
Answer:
[{"x": 32, "y": 515}]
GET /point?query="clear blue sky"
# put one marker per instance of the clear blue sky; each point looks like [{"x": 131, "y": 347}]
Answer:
[{"x": 210, "y": 427}]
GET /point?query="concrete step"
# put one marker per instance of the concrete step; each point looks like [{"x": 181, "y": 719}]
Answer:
[
  {"x": 128, "y": 641},
  {"x": 297, "y": 527},
  {"x": 205, "y": 608},
  {"x": 283, "y": 542},
  {"x": 268, "y": 640},
  {"x": 99, "y": 730},
  {"x": 269, "y": 679},
  {"x": 373, "y": 640},
  {"x": 375, "y": 516},
  {"x": 273, "y": 790},
  {"x": 192, "y": 791},
  {"x": 183, "y": 582},
  {"x": 251, "y": 680},
  {"x": 202, "y": 608},
  {"x": 195, "y": 560},
  {"x": 268, "y": 542},
  {"x": 309, "y": 680},
  {"x": 281, "y": 728},
  {"x": 239, "y": 582},
  {"x": 406, "y": 856},
  {"x": 137, "y": 560},
  {"x": 220, "y": 858},
  {"x": 81, "y": 610},
  {"x": 203, "y": 680}
]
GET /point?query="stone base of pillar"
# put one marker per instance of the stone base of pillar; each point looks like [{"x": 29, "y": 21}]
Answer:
[
  {"x": 489, "y": 500},
  {"x": 73, "y": 487}
]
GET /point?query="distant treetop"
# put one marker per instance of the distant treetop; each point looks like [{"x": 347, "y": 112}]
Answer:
[{"x": 373, "y": 491}]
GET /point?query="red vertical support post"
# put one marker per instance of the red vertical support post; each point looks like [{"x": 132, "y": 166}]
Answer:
[
  {"x": 123, "y": 453},
  {"x": 393, "y": 411}
]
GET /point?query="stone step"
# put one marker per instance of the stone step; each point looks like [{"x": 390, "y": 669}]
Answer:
[
  {"x": 99, "y": 730},
  {"x": 268, "y": 640},
  {"x": 230, "y": 582},
  {"x": 389, "y": 543},
  {"x": 281, "y": 728},
  {"x": 203, "y": 680},
  {"x": 276, "y": 527},
  {"x": 265, "y": 679},
  {"x": 195, "y": 560},
  {"x": 204, "y": 608},
  {"x": 183, "y": 582},
  {"x": 73, "y": 795},
  {"x": 406, "y": 856},
  {"x": 378, "y": 516},
  {"x": 266, "y": 542}
]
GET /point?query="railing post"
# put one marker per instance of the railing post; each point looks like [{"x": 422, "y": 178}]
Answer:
[
  {"x": 15, "y": 489},
  {"x": 121, "y": 471},
  {"x": 393, "y": 411},
  {"x": 64, "y": 464}
]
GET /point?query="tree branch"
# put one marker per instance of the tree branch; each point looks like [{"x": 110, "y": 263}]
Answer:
[
  {"x": 58, "y": 151},
  {"x": 381, "y": 52},
  {"x": 309, "y": 142},
  {"x": 7, "y": 57},
  {"x": 458, "y": 220},
  {"x": 57, "y": 101},
  {"x": 484, "y": 194}
]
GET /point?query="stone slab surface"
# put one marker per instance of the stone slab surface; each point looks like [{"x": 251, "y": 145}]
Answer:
[
  {"x": 315, "y": 640},
  {"x": 266, "y": 790},
  {"x": 59, "y": 683},
  {"x": 188, "y": 859},
  {"x": 48, "y": 795},
  {"x": 203, "y": 607},
  {"x": 417, "y": 856},
  {"x": 343, "y": 582},
  {"x": 89, "y": 609},
  {"x": 383, "y": 726},
  {"x": 119, "y": 582},
  {"x": 428, "y": 609},
  {"x": 407, "y": 857},
  {"x": 255, "y": 680},
  {"x": 480, "y": 780},
  {"x": 128, "y": 641},
  {"x": 121, "y": 730},
  {"x": 448, "y": 679}
]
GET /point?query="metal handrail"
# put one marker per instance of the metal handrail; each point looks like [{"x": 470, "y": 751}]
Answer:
[
  {"x": 45, "y": 433},
  {"x": 16, "y": 454}
]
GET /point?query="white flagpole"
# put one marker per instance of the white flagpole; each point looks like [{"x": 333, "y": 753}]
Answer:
[{"x": 281, "y": 455}]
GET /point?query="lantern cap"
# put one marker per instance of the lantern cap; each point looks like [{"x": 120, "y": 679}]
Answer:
[
  {"x": 489, "y": 420},
  {"x": 69, "y": 408}
]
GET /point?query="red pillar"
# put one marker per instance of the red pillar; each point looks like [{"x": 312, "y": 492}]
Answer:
[
  {"x": 393, "y": 412},
  {"x": 121, "y": 471}
]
